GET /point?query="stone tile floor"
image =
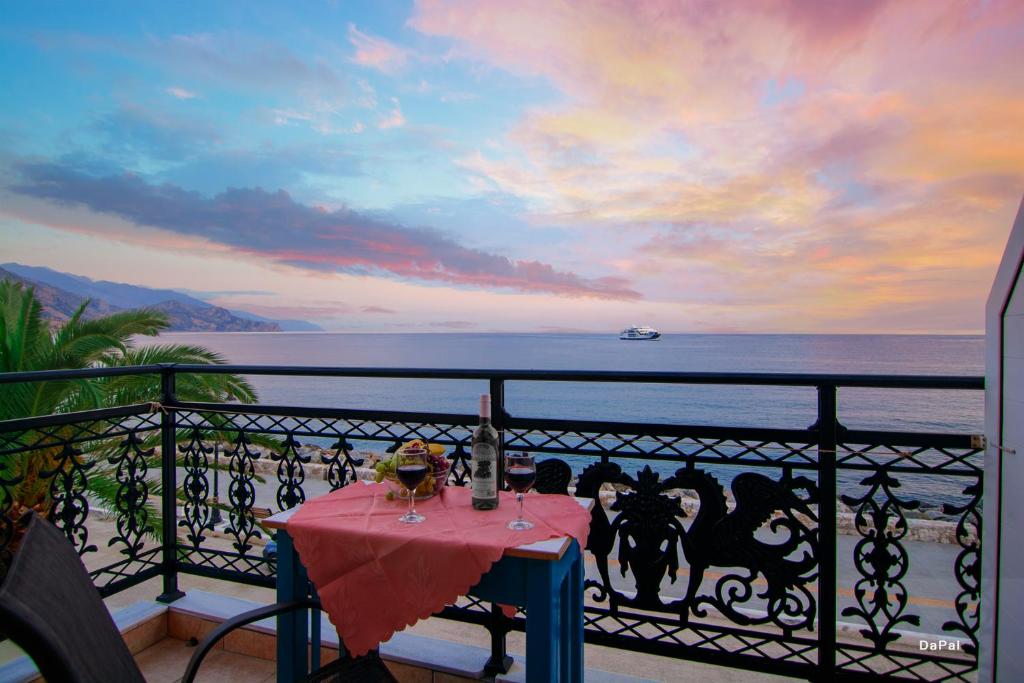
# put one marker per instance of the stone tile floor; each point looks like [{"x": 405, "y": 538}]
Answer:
[
  {"x": 171, "y": 656},
  {"x": 165, "y": 662}
]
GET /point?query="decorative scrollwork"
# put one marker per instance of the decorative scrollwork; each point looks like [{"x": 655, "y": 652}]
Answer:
[
  {"x": 68, "y": 485},
  {"x": 649, "y": 531},
  {"x": 881, "y": 559},
  {"x": 788, "y": 564},
  {"x": 242, "y": 493},
  {"x": 460, "y": 471},
  {"x": 341, "y": 467},
  {"x": 196, "y": 487},
  {"x": 601, "y": 540},
  {"x": 290, "y": 473},
  {"x": 968, "y": 566},
  {"x": 132, "y": 493}
]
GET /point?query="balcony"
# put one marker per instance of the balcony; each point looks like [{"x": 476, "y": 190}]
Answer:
[{"x": 839, "y": 563}]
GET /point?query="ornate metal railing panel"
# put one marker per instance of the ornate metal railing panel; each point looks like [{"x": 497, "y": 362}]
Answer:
[
  {"x": 888, "y": 629},
  {"x": 794, "y": 551},
  {"x": 709, "y": 543},
  {"x": 93, "y": 474},
  {"x": 283, "y": 437}
]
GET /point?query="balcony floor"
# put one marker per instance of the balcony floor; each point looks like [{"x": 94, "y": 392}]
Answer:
[{"x": 165, "y": 662}]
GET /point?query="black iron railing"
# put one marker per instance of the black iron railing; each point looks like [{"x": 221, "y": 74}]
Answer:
[{"x": 793, "y": 551}]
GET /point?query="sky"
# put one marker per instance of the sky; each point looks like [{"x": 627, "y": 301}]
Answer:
[{"x": 540, "y": 166}]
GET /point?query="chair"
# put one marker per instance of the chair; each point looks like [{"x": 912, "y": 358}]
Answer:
[
  {"x": 50, "y": 608},
  {"x": 553, "y": 476}
]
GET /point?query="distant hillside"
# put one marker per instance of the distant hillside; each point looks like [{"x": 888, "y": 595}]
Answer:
[
  {"x": 117, "y": 293},
  {"x": 285, "y": 324},
  {"x": 207, "y": 318},
  {"x": 59, "y": 304},
  {"x": 190, "y": 310}
]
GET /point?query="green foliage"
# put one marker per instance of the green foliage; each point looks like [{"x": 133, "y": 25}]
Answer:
[{"x": 27, "y": 343}]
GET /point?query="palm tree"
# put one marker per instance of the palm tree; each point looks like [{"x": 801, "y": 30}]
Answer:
[{"x": 27, "y": 343}]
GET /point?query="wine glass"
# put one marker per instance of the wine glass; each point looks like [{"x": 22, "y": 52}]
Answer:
[
  {"x": 411, "y": 471},
  {"x": 520, "y": 471}
]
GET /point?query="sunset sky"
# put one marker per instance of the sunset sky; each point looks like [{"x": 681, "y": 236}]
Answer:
[{"x": 767, "y": 166}]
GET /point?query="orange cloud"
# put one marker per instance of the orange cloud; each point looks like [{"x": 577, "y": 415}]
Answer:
[{"x": 884, "y": 177}]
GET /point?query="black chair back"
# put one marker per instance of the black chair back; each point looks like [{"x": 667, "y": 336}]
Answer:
[
  {"x": 553, "y": 476},
  {"x": 50, "y": 608}
]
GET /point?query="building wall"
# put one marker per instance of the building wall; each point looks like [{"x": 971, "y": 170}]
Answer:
[{"x": 1002, "y": 609}]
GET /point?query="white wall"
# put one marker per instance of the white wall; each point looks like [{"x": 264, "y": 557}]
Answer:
[{"x": 1002, "y": 564}]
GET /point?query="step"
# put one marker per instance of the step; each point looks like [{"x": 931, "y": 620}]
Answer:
[{"x": 139, "y": 623}]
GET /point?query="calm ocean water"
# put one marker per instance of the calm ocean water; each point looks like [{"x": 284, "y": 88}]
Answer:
[{"x": 898, "y": 410}]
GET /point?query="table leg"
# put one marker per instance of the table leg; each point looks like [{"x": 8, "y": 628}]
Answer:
[
  {"x": 543, "y": 631},
  {"x": 292, "y": 627},
  {"x": 573, "y": 616}
]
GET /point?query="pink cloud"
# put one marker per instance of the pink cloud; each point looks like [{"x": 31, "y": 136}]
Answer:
[
  {"x": 376, "y": 53},
  {"x": 394, "y": 118},
  {"x": 378, "y": 309}
]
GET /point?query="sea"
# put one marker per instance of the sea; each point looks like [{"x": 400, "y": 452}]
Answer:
[{"x": 747, "y": 406}]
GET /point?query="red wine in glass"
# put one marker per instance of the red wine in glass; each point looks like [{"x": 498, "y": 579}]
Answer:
[
  {"x": 411, "y": 476},
  {"x": 520, "y": 471},
  {"x": 520, "y": 478},
  {"x": 411, "y": 471}
]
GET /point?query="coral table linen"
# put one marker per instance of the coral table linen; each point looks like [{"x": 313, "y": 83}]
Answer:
[{"x": 376, "y": 575}]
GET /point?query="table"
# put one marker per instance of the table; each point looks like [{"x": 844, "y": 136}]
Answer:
[{"x": 545, "y": 577}]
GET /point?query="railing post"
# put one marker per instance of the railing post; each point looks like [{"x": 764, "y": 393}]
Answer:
[
  {"x": 498, "y": 624},
  {"x": 498, "y": 415},
  {"x": 169, "y": 485},
  {"x": 828, "y": 429}
]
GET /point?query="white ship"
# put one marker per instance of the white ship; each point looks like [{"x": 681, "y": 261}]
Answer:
[{"x": 639, "y": 333}]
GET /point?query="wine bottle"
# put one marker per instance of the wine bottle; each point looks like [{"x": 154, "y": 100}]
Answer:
[{"x": 486, "y": 458}]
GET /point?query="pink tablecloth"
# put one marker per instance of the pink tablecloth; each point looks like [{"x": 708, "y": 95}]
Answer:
[{"x": 376, "y": 575}]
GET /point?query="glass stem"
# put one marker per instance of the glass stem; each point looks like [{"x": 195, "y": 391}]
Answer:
[
  {"x": 412, "y": 502},
  {"x": 519, "y": 497}
]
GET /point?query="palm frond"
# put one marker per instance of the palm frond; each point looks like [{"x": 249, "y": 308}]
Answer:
[{"x": 27, "y": 343}]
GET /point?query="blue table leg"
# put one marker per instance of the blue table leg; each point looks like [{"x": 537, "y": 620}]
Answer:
[
  {"x": 292, "y": 627},
  {"x": 574, "y": 617},
  {"x": 543, "y": 632}
]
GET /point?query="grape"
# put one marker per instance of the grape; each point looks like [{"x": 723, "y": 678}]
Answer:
[{"x": 438, "y": 463}]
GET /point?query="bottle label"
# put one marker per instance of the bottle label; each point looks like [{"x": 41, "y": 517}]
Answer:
[{"x": 485, "y": 478}]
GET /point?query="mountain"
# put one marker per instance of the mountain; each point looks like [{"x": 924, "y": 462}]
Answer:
[
  {"x": 189, "y": 311},
  {"x": 59, "y": 305},
  {"x": 207, "y": 318},
  {"x": 284, "y": 324},
  {"x": 117, "y": 293},
  {"x": 183, "y": 315}
]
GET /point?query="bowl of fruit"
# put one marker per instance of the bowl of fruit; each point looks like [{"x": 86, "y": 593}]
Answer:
[{"x": 437, "y": 466}]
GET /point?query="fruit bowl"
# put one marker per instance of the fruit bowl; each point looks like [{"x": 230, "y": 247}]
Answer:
[
  {"x": 435, "y": 481},
  {"x": 430, "y": 486}
]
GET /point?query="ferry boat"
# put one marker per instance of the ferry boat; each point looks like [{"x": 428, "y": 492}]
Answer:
[{"x": 639, "y": 333}]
